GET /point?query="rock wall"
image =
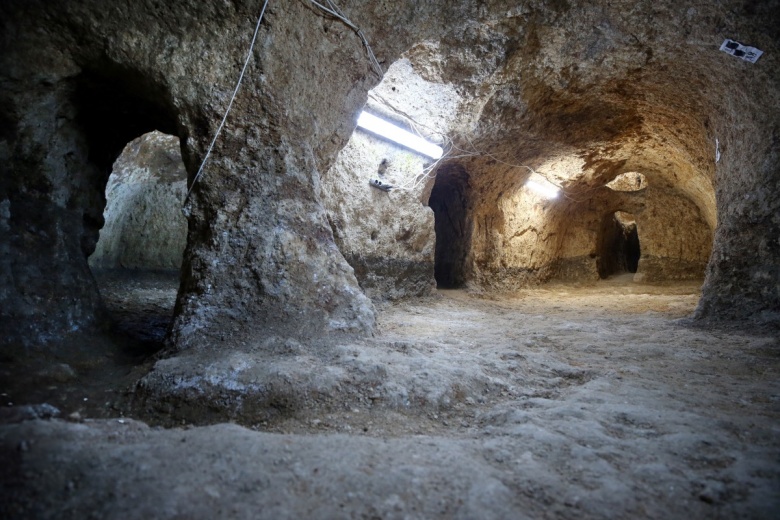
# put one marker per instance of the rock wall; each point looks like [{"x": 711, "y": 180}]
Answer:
[
  {"x": 387, "y": 237},
  {"x": 522, "y": 238},
  {"x": 743, "y": 275},
  {"x": 675, "y": 241},
  {"x": 50, "y": 210},
  {"x": 260, "y": 252},
  {"x": 144, "y": 226}
]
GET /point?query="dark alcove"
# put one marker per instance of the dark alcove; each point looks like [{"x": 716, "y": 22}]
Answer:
[
  {"x": 618, "y": 248},
  {"x": 449, "y": 202},
  {"x": 114, "y": 106}
]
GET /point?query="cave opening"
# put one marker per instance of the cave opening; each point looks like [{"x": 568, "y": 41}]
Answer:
[
  {"x": 137, "y": 259},
  {"x": 619, "y": 250},
  {"x": 449, "y": 201},
  {"x": 628, "y": 182},
  {"x": 132, "y": 142}
]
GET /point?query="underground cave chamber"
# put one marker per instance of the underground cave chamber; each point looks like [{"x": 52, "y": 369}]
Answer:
[
  {"x": 500, "y": 118},
  {"x": 297, "y": 310},
  {"x": 469, "y": 220},
  {"x": 476, "y": 218}
]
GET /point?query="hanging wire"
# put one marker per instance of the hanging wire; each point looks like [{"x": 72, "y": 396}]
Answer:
[
  {"x": 430, "y": 171},
  {"x": 230, "y": 105},
  {"x": 334, "y": 11}
]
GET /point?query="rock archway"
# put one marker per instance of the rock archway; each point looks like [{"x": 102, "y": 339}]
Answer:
[
  {"x": 144, "y": 227},
  {"x": 64, "y": 131}
]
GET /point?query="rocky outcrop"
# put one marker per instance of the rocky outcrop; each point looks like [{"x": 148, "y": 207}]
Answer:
[{"x": 144, "y": 226}]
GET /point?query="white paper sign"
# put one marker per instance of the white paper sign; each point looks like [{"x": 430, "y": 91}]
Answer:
[{"x": 744, "y": 52}]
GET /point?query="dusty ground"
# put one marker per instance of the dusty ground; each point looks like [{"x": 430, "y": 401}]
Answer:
[
  {"x": 94, "y": 373},
  {"x": 593, "y": 401}
]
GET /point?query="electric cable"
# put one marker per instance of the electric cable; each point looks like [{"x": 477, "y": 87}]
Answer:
[
  {"x": 334, "y": 11},
  {"x": 230, "y": 104},
  {"x": 477, "y": 152},
  {"x": 449, "y": 143}
]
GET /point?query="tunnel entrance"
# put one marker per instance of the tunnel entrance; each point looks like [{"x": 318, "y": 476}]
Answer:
[
  {"x": 137, "y": 258},
  {"x": 618, "y": 249},
  {"x": 449, "y": 201},
  {"x": 144, "y": 228}
]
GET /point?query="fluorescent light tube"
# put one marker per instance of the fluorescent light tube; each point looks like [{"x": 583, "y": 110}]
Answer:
[
  {"x": 542, "y": 186},
  {"x": 398, "y": 135}
]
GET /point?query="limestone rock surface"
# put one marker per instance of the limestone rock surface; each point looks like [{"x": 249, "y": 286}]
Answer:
[
  {"x": 388, "y": 237},
  {"x": 144, "y": 226}
]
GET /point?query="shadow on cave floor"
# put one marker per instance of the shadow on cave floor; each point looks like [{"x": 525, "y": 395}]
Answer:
[
  {"x": 140, "y": 305},
  {"x": 94, "y": 373},
  {"x": 618, "y": 279}
]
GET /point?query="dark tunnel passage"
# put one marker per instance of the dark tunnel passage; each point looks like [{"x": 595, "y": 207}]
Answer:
[
  {"x": 137, "y": 259},
  {"x": 450, "y": 204},
  {"x": 115, "y": 111},
  {"x": 619, "y": 249},
  {"x": 113, "y": 106}
]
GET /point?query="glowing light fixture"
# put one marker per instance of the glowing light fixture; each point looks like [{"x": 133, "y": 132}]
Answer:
[
  {"x": 542, "y": 186},
  {"x": 398, "y": 135}
]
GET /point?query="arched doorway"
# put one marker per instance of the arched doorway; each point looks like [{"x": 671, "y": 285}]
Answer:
[
  {"x": 137, "y": 259},
  {"x": 113, "y": 108}
]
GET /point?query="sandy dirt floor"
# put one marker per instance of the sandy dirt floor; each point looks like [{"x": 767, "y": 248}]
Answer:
[{"x": 590, "y": 401}]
